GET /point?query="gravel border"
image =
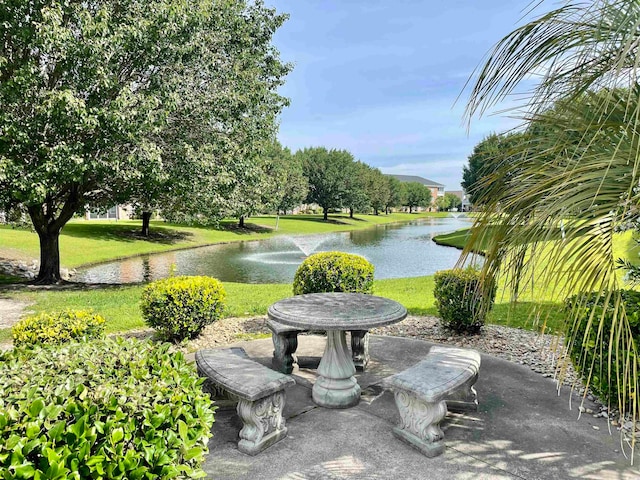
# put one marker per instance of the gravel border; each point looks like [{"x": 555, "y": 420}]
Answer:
[{"x": 544, "y": 354}]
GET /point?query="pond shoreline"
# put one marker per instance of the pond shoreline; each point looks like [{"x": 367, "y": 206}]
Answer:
[{"x": 397, "y": 249}]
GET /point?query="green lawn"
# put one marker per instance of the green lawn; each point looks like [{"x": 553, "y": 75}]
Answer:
[
  {"x": 121, "y": 305},
  {"x": 457, "y": 239},
  {"x": 84, "y": 242}
]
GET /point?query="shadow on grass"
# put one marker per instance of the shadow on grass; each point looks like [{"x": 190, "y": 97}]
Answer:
[
  {"x": 336, "y": 220},
  {"x": 224, "y": 226},
  {"x": 65, "y": 285},
  {"x": 248, "y": 228},
  {"x": 126, "y": 233}
]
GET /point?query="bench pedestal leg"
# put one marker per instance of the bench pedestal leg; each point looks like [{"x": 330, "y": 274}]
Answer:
[
  {"x": 336, "y": 386},
  {"x": 420, "y": 423},
  {"x": 284, "y": 346},
  {"x": 263, "y": 423},
  {"x": 360, "y": 349},
  {"x": 465, "y": 399}
]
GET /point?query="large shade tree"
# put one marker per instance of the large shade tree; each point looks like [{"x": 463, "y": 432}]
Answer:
[
  {"x": 288, "y": 186},
  {"x": 356, "y": 195},
  {"x": 396, "y": 193},
  {"x": 159, "y": 102},
  {"x": 328, "y": 174},
  {"x": 555, "y": 217},
  {"x": 378, "y": 190},
  {"x": 416, "y": 195},
  {"x": 452, "y": 201}
]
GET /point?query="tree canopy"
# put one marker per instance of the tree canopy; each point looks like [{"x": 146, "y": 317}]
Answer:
[
  {"x": 161, "y": 103},
  {"x": 396, "y": 193},
  {"x": 415, "y": 195},
  {"x": 288, "y": 186},
  {"x": 495, "y": 153},
  {"x": 452, "y": 200},
  {"x": 378, "y": 190},
  {"x": 328, "y": 174}
]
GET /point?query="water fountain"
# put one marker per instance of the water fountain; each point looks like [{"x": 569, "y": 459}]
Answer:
[
  {"x": 307, "y": 244},
  {"x": 304, "y": 246}
]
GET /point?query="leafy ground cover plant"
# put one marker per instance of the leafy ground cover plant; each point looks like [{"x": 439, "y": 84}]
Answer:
[
  {"x": 334, "y": 272},
  {"x": 50, "y": 328},
  {"x": 461, "y": 304},
  {"x": 117, "y": 409},
  {"x": 180, "y": 307}
]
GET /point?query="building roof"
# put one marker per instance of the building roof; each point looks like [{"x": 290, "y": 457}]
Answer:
[
  {"x": 415, "y": 178},
  {"x": 458, "y": 193}
]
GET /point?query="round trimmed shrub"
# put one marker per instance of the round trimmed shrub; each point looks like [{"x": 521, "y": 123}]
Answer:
[
  {"x": 117, "y": 409},
  {"x": 51, "y": 328},
  {"x": 333, "y": 272},
  {"x": 461, "y": 303},
  {"x": 180, "y": 307}
]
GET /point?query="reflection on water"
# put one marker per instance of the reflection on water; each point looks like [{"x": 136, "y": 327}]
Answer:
[{"x": 404, "y": 250}]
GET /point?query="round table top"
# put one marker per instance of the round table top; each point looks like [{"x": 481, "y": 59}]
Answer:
[{"x": 337, "y": 311}]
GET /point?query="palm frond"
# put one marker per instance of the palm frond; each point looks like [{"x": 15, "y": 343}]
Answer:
[{"x": 550, "y": 215}]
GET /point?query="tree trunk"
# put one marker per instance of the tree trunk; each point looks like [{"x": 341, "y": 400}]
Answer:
[
  {"x": 146, "y": 218},
  {"x": 48, "y": 228},
  {"x": 350, "y": 212},
  {"x": 49, "y": 272},
  {"x": 409, "y": 208},
  {"x": 241, "y": 221},
  {"x": 375, "y": 211},
  {"x": 325, "y": 213}
]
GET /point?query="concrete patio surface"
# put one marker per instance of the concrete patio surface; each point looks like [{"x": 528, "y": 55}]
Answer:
[{"x": 523, "y": 429}]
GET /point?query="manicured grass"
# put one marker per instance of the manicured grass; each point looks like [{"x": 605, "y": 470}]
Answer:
[
  {"x": 83, "y": 242},
  {"x": 416, "y": 294},
  {"x": 457, "y": 239},
  {"x": 121, "y": 305}
]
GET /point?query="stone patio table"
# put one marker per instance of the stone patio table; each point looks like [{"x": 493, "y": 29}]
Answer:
[{"x": 336, "y": 386}]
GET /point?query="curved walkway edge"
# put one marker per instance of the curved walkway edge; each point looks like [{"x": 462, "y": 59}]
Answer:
[{"x": 523, "y": 429}]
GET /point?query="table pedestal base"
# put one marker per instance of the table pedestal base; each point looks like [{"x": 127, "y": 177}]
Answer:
[{"x": 336, "y": 386}]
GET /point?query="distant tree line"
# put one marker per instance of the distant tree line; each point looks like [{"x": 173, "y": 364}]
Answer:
[
  {"x": 336, "y": 181},
  {"x": 332, "y": 179}
]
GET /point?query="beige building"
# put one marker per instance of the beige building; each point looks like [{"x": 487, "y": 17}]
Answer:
[
  {"x": 119, "y": 212},
  {"x": 437, "y": 189}
]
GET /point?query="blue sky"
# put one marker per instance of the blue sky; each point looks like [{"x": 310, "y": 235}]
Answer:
[{"x": 379, "y": 78}]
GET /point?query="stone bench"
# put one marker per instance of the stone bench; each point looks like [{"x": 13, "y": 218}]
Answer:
[
  {"x": 285, "y": 344},
  {"x": 260, "y": 392},
  {"x": 424, "y": 392}
]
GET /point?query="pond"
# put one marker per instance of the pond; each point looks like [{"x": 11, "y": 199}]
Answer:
[{"x": 396, "y": 251}]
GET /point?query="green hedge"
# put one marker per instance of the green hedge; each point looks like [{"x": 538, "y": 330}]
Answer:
[
  {"x": 586, "y": 350},
  {"x": 334, "y": 272},
  {"x": 460, "y": 301},
  {"x": 120, "y": 409},
  {"x": 52, "y": 328},
  {"x": 180, "y": 307}
]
